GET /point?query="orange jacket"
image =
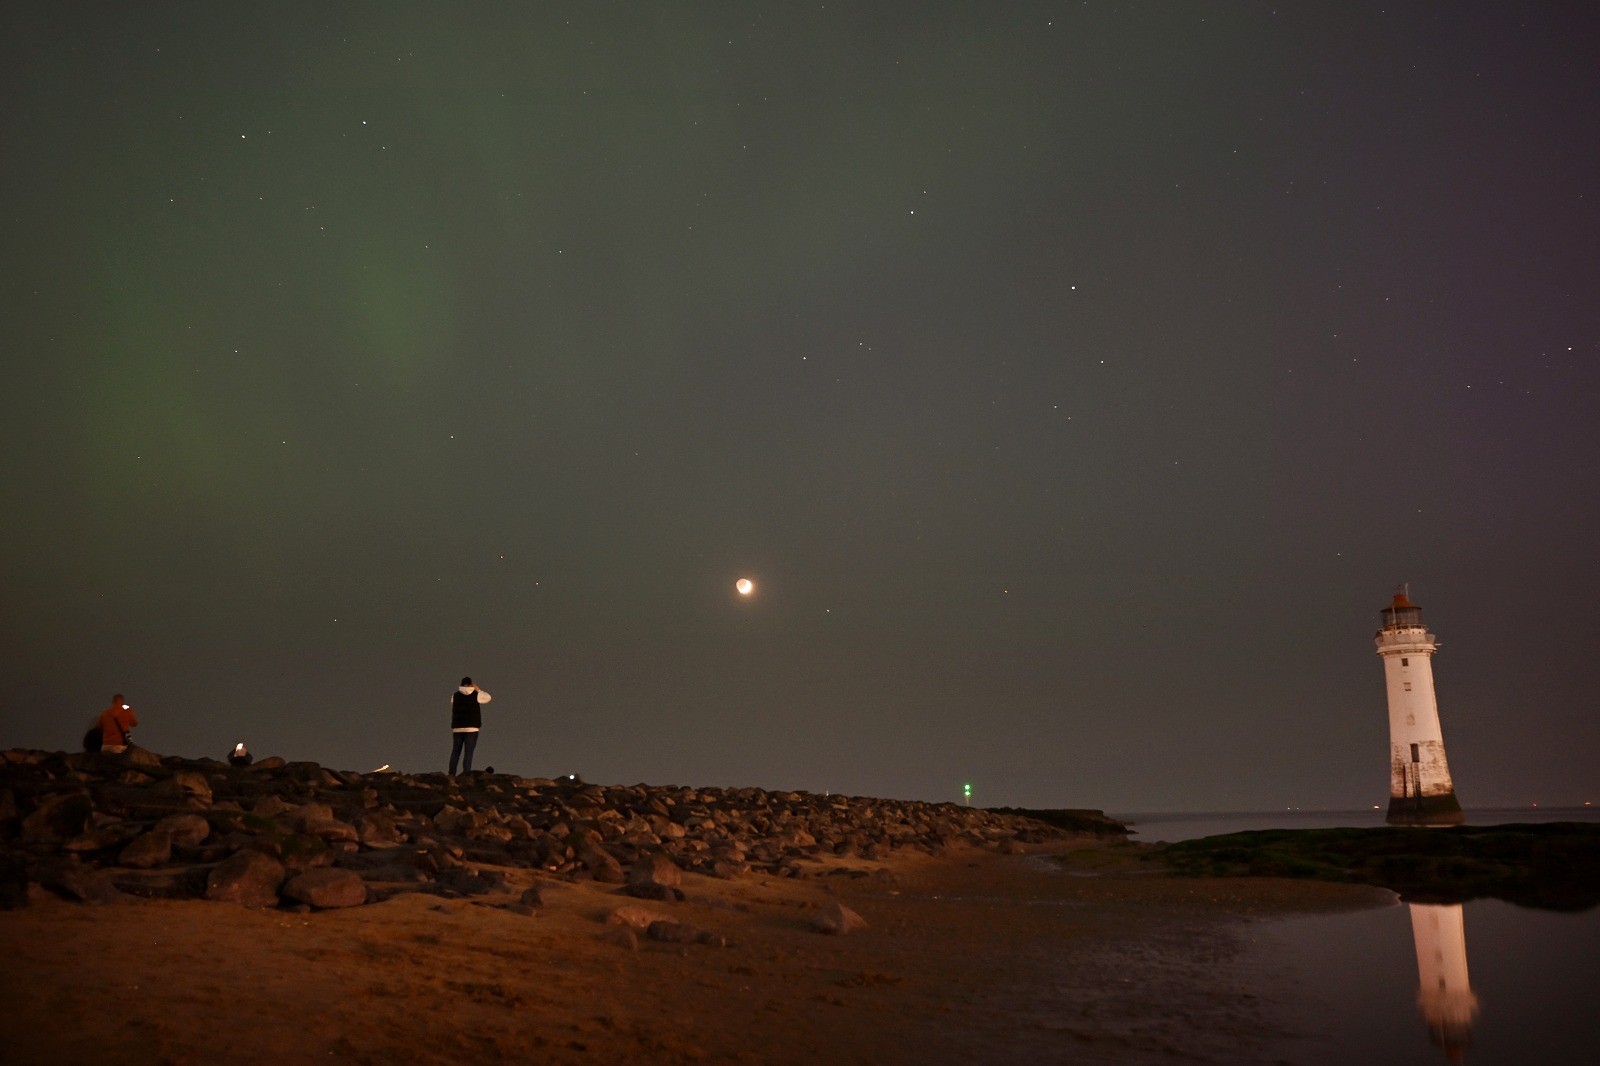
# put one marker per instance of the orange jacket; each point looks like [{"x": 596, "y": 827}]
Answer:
[{"x": 115, "y": 721}]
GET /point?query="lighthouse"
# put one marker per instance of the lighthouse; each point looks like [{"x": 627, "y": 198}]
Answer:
[{"x": 1420, "y": 789}]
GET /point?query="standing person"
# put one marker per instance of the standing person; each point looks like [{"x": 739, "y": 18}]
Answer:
[
  {"x": 465, "y": 721},
  {"x": 116, "y": 725}
]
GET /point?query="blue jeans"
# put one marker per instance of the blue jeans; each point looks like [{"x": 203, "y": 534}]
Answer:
[{"x": 459, "y": 743}]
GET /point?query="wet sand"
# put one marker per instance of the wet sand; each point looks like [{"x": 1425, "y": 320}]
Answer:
[{"x": 971, "y": 957}]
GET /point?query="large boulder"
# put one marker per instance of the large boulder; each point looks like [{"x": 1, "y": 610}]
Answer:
[
  {"x": 465, "y": 879},
  {"x": 379, "y": 831},
  {"x": 271, "y": 805},
  {"x": 333, "y": 831},
  {"x": 310, "y": 814},
  {"x": 670, "y": 932},
  {"x": 634, "y": 917},
  {"x": 185, "y": 784},
  {"x": 187, "y": 830},
  {"x": 248, "y": 877},
  {"x": 455, "y": 820},
  {"x": 148, "y": 850},
  {"x": 110, "y": 835},
  {"x": 74, "y": 880},
  {"x": 327, "y": 888},
  {"x": 602, "y": 865},
  {"x": 837, "y": 919},
  {"x": 59, "y": 817},
  {"x": 655, "y": 868},
  {"x": 137, "y": 756},
  {"x": 297, "y": 851}
]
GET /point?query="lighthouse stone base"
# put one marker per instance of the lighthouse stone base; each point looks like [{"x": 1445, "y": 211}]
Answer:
[{"x": 1426, "y": 810}]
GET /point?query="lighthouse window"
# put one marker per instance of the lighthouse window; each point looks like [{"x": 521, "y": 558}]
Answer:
[
  {"x": 1408, "y": 685},
  {"x": 1414, "y": 755},
  {"x": 1405, "y": 662}
]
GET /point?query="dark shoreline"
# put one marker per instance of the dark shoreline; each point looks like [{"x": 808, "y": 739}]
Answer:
[{"x": 1546, "y": 865}]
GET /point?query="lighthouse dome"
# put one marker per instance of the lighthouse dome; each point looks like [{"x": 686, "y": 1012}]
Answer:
[{"x": 1402, "y": 613}]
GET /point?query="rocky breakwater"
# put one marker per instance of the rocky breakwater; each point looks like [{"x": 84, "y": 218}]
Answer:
[{"x": 100, "y": 828}]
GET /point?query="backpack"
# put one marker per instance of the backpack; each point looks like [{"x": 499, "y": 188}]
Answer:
[{"x": 93, "y": 738}]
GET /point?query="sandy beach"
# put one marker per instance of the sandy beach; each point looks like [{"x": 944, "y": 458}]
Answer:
[{"x": 968, "y": 957}]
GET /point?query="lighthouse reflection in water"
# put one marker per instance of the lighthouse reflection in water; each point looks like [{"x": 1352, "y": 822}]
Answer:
[{"x": 1444, "y": 992}]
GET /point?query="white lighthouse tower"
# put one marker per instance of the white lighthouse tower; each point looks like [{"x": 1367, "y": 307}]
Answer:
[
  {"x": 1444, "y": 992},
  {"x": 1420, "y": 789}
]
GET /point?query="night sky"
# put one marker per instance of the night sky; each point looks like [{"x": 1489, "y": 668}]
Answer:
[{"x": 1074, "y": 381}]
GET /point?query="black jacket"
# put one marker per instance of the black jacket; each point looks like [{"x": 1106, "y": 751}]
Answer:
[{"x": 464, "y": 712}]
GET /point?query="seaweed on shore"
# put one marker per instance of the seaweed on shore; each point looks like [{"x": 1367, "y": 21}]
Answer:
[{"x": 1551, "y": 866}]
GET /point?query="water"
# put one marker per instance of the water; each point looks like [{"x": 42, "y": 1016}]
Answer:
[
  {"x": 1529, "y": 982},
  {"x": 1485, "y": 982}
]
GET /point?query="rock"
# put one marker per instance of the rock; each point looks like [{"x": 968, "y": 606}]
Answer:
[
  {"x": 837, "y": 919},
  {"x": 187, "y": 830},
  {"x": 305, "y": 817},
  {"x": 655, "y": 868},
  {"x": 298, "y": 851},
  {"x": 272, "y": 805},
  {"x": 327, "y": 888},
  {"x": 306, "y": 771},
  {"x": 333, "y": 830},
  {"x": 249, "y": 877},
  {"x": 59, "y": 817},
  {"x": 105, "y": 836},
  {"x": 151, "y": 849},
  {"x": 455, "y": 820},
  {"x": 660, "y": 893},
  {"x": 379, "y": 831},
  {"x": 633, "y": 917},
  {"x": 310, "y": 814},
  {"x": 603, "y": 866},
  {"x": 533, "y": 897},
  {"x": 491, "y": 834},
  {"x": 74, "y": 880},
  {"x": 185, "y": 783},
  {"x": 670, "y": 932}
]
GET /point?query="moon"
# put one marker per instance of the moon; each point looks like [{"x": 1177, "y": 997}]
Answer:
[{"x": 745, "y": 586}]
